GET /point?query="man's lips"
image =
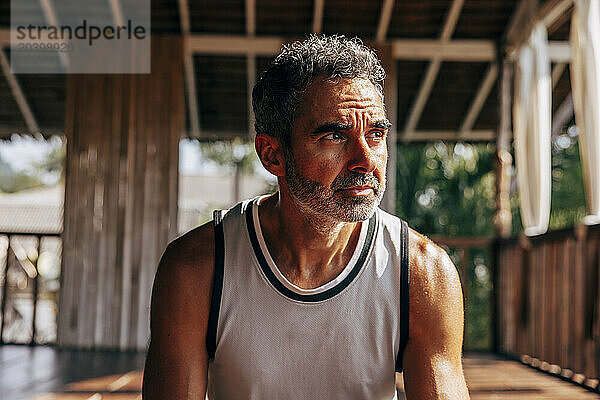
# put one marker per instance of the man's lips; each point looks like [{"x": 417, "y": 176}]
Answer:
[{"x": 358, "y": 190}]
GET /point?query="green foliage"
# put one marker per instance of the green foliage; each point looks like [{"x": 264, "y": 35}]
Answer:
[
  {"x": 13, "y": 181},
  {"x": 568, "y": 195},
  {"x": 446, "y": 189},
  {"x": 236, "y": 153},
  {"x": 567, "y": 206},
  {"x": 449, "y": 190},
  {"x": 45, "y": 172},
  {"x": 478, "y": 306}
]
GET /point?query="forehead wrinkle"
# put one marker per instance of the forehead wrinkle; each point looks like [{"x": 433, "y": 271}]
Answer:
[
  {"x": 359, "y": 120},
  {"x": 364, "y": 96},
  {"x": 338, "y": 101},
  {"x": 365, "y": 104},
  {"x": 366, "y": 110}
]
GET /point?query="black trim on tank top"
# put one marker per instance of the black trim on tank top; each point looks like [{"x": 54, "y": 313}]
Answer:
[
  {"x": 311, "y": 298},
  {"x": 404, "y": 297},
  {"x": 217, "y": 289}
]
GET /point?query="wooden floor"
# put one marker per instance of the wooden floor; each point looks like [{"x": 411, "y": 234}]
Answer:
[
  {"x": 45, "y": 373},
  {"x": 492, "y": 377}
]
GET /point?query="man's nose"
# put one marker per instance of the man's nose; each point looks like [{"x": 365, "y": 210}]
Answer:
[{"x": 362, "y": 158}]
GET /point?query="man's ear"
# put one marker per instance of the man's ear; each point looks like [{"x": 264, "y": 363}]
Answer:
[{"x": 270, "y": 152}]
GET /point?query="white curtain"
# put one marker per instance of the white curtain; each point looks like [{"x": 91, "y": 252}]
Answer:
[
  {"x": 585, "y": 82},
  {"x": 532, "y": 115}
]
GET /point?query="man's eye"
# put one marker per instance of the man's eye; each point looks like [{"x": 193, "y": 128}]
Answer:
[
  {"x": 333, "y": 136},
  {"x": 376, "y": 134}
]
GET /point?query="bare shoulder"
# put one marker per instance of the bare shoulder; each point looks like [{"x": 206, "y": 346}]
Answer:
[
  {"x": 176, "y": 364},
  {"x": 185, "y": 272},
  {"x": 432, "y": 358},
  {"x": 192, "y": 252},
  {"x": 434, "y": 280}
]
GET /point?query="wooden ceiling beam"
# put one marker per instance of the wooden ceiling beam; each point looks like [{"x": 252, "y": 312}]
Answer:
[
  {"x": 384, "y": 20},
  {"x": 559, "y": 51},
  {"x": 528, "y": 15},
  {"x": 188, "y": 69},
  {"x": 235, "y": 45},
  {"x": 563, "y": 115},
  {"x": 483, "y": 135},
  {"x": 4, "y": 38},
  {"x": 116, "y": 11},
  {"x": 52, "y": 20},
  {"x": 405, "y": 49},
  {"x": 483, "y": 92},
  {"x": 402, "y": 49},
  {"x": 424, "y": 92},
  {"x": 18, "y": 95},
  {"x": 317, "y": 24},
  {"x": 422, "y": 97},
  {"x": 184, "y": 16},
  {"x": 552, "y": 10},
  {"x": 250, "y": 17},
  {"x": 451, "y": 19},
  {"x": 250, "y": 63},
  {"x": 49, "y": 13},
  {"x": 557, "y": 72},
  {"x": 452, "y": 50},
  {"x": 523, "y": 12}
]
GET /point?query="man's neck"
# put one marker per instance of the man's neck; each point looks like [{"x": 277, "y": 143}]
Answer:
[{"x": 309, "y": 250}]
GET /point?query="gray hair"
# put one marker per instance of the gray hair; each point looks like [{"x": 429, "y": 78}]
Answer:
[{"x": 278, "y": 93}]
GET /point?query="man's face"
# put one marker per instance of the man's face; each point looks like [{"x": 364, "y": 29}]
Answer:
[{"x": 337, "y": 161}]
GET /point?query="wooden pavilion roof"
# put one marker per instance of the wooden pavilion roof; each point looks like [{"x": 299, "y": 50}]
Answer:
[{"x": 445, "y": 52}]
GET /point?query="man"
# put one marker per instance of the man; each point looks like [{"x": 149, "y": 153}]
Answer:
[{"x": 303, "y": 294}]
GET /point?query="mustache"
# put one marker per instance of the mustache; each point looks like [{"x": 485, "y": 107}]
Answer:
[{"x": 356, "y": 179}]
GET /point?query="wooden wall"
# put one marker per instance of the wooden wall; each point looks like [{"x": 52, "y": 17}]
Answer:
[
  {"x": 120, "y": 208},
  {"x": 548, "y": 300}
]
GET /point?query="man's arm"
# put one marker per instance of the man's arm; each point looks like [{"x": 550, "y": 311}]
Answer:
[
  {"x": 432, "y": 357},
  {"x": 177, "y": 361}
]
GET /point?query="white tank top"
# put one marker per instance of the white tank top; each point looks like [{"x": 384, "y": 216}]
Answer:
[{"x": 270, "y": 339}]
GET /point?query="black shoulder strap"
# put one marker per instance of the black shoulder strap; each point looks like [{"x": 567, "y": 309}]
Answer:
[
  {"x": 217, "y": 217},
  {"x": 404, "y": 298},
  {"x": 215, "y": 302}
]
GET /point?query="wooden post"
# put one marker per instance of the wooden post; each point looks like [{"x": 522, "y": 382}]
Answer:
[
  {"x": 503, "y": 162},
  {"x": 123, "y": 134},
  {"x": 384, "y": 52},
  {"x": 503, "y": 216},
  {"x": 494, "y": 254},
  {"x": 35, "y": 289}
]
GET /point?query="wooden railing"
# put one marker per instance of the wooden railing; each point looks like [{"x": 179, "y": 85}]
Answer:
[
  {"x": 547, "y": 302},
  {"x": 25, "y": 289}
]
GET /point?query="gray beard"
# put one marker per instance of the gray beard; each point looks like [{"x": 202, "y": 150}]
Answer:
[{"x": 319, "y": 200}]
